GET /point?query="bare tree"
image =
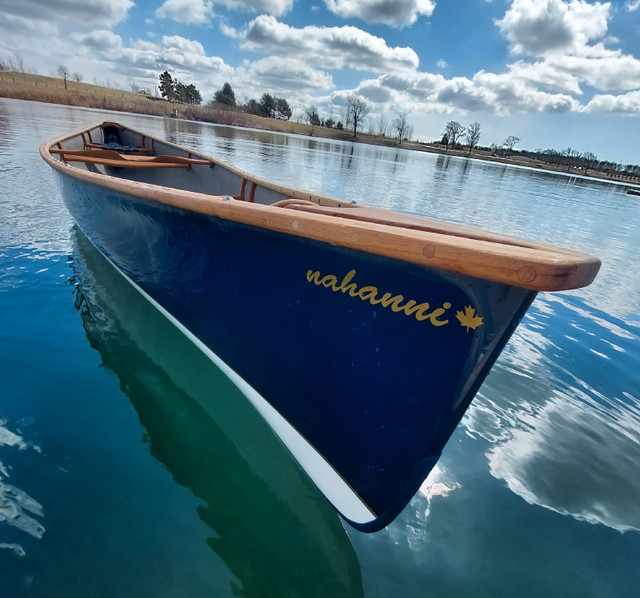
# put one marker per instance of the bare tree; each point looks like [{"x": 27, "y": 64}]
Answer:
[
  {"x": 572, "y": 158},
  {"x": 357, "y": 110},
  {"x": 571, "y": 153},
  {"x": 473, "y": 136},
  {"x": 78, "y": 77},
  {"x": 312, "y": 116},
  {"x": 453, "y": 131},
  {"x": 17, "y": 63},
  {"x": 371, "y": 126},
  {"x": 382, "y": 126},
  {"x": 63, "y": 73},
  {"x": 590, "y": 161},
  {"x": 510, "y": 142},
  {"x": 402, "y": 127}
]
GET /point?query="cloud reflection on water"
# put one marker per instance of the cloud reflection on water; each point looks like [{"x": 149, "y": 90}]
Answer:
[
  {"x": 559, "y": 438},
  {"x": 559, "y": 459}
]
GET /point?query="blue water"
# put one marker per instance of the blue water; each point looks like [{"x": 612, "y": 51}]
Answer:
[{"x": 130, "y": 466}]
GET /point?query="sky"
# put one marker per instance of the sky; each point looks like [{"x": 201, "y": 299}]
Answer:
[{"x": 555, "y": 73}]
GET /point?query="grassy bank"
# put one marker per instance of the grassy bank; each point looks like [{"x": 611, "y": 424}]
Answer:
[{"x": 53, "y": 90}]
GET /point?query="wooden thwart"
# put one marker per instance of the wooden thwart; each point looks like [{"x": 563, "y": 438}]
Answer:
[{"x": 113, "y": 158}]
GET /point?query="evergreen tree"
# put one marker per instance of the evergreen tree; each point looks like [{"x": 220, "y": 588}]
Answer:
[
  {"x": 176, "y": 91},
  {"x": 190, "y": 94},
  {"x": 253, "y": 107},
  {"x": 267, "y": 105},
  {"x": 225, "y": 95},
  {"x": 167, "y": 89},
  {"x": 283, "y": 111}
]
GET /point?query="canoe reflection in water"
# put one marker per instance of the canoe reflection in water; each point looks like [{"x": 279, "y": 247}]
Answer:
[{"x": 269, "y": 523}]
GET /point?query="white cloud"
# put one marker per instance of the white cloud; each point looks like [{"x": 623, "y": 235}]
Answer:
[
  {"x": 376, "y": 93},
  {"x": 144, "y": 60},
  {"x": 396, "y": 13},
  {"x": 229, "y": 31},
  {"x": 186, "y": 11},
  {"x": 24, "y": 24},
  {"x": 610, "y": 71},
  {"x": 13, "y": 25},
  {"x": 628, "y": 103},
  {"x": 569, "y": 37},
  {"x": 541, "y": 27},
  {"x": 506, "y": 94},
  {"x": 101, "y": 39},
  {"x": 200, "y": 11},
  {"x": 104, "y": 13},
  {"x": 328, "y": 47},
  {"x": 272, "y": 7},
  {"x": 562, "y": 46},
  {"x": 551, "y": 84},
  {"x": 546, "y": 75},
  {"x": 501, "y": 94},
  {"x": 189, "y": 55},
  {"x": 280, "y": 75}
]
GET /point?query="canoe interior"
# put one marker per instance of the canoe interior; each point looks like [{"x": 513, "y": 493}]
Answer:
[{"x": 208, "y": 176}]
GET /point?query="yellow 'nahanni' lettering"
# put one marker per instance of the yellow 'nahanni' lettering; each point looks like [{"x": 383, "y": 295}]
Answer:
[{"x": 397, "y": 303}]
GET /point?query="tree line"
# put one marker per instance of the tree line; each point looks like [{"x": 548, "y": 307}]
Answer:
[
  {"x": 454, "y": 136},
  {"x": 274, "y": 107},
  {"x": 570, "y": 159},
  {"x": 585, "y": 162},
  {"x": 270, "y": 106}
]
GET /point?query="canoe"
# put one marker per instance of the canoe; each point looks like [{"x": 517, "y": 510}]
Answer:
[
  {"x": 360, "y": 335},
  {"x": 633, "y": 191}
]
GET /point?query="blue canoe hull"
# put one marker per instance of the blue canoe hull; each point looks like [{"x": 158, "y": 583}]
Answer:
[{"x": 369, "y": 361}]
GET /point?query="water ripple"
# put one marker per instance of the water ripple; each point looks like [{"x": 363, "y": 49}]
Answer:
[{"x": 17, "y": 508}]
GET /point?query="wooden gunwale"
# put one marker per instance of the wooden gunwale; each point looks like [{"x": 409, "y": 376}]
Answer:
[{"x": 417, "y": 240}]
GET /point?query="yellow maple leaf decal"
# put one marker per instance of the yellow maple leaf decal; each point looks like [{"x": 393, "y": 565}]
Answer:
[{"x": 468, "y": 318}]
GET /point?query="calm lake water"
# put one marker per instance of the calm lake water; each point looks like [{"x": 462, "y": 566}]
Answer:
[{"x": 130, "y": 466}]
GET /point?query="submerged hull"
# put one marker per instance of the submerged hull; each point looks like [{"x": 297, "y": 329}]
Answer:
[{"x": 362, "y": 363}]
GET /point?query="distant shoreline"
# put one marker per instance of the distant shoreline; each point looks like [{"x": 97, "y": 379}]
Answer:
[{"x": 38, "y": 88}]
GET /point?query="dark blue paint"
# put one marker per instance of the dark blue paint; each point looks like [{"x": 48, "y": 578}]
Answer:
[{"x": 377, "y": 393}]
